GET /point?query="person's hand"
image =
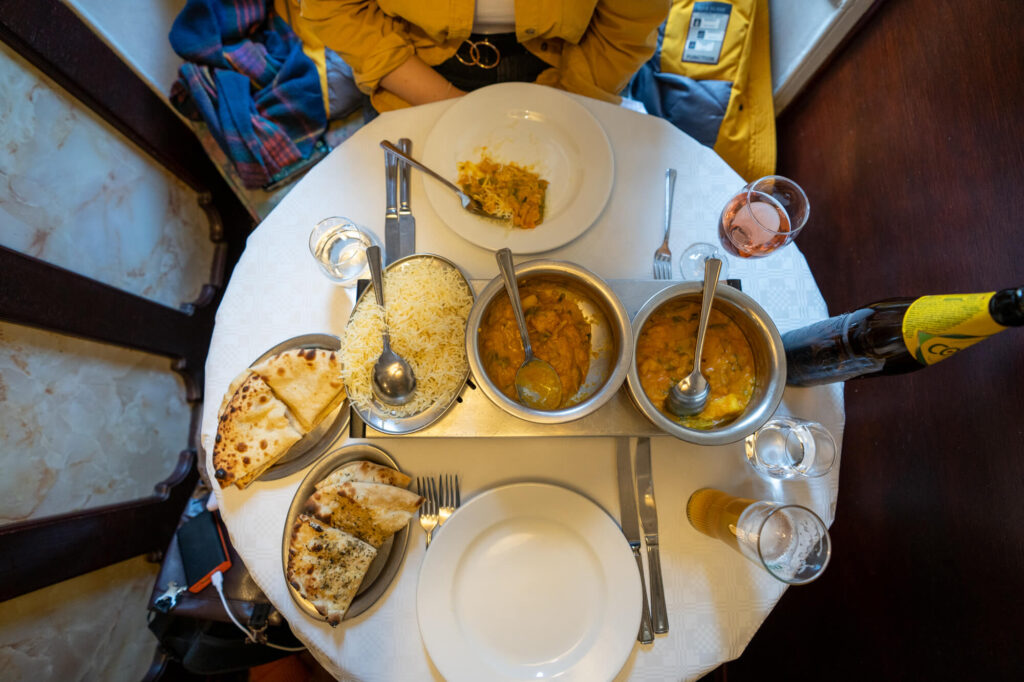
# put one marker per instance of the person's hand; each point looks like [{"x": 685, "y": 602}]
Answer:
[{"x": 417, "y": 83}]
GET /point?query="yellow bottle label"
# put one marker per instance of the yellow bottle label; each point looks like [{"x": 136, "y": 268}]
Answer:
[{"x": 937, "y": 327}]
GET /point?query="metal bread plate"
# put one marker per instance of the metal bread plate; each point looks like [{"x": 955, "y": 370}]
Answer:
[
  {"x": 317, "y": 441},
  {"x": 389, "y": 556}
]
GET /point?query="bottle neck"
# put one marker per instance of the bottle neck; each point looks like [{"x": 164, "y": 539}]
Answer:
[{"x": 876, "y": 330}]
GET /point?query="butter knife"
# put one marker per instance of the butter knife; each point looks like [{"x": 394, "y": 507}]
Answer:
[
  {"x": 631, "y": 528},
  {"x": 649, "y": 517},
  {"x": 392, "y": 238},
  {"x": 406, "y": 221}
]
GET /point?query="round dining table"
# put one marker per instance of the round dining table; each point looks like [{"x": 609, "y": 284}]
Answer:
[{"x": 716, "y": 599}]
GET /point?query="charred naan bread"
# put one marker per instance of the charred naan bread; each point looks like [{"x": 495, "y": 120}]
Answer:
[
  {"x": 236, "y": 383},
  {"x": 253, "y": 432},
  {"x": 372, "y": 512},
  {"x": 368, "y": 472},
  {"x": 327, "y": 566},
  {"x": 308, "y": 380}
]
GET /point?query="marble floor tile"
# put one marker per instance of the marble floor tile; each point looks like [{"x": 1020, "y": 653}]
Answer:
[
  {"x": 74, "y": 193},
  {"x": 89, "y": 628},
  {"x": 83, "y": 424}
]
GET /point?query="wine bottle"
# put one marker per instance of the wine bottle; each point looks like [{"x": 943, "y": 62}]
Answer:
[{"x": 897, "y": 335}]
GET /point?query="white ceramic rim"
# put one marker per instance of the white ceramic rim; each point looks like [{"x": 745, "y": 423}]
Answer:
[
  {"x": 613, "y": 635},
  {"x": 548, "y": 129}
]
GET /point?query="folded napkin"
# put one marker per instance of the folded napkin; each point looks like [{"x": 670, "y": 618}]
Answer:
[{"x": 246, "y": 76}]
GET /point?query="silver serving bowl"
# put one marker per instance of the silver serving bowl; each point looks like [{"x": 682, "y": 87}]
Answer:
[
  {"x": 769, "y": 361},
  {"x": 611, "y": 341},
  {"x": 382, "y": 417}
]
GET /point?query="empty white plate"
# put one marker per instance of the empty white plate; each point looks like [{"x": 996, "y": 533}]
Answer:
[{"x": 526, "y": 582}]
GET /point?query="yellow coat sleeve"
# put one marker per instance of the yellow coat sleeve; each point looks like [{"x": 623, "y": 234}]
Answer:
[
  {"x": 371, "y": 42},
  {"x": 621, "y": 36}
]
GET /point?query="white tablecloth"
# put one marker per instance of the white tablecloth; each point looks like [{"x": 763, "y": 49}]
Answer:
[{"x": 716, "y": 598}]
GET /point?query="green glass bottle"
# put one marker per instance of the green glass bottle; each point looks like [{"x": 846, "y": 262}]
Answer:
[{"x": 897, "y": 335}]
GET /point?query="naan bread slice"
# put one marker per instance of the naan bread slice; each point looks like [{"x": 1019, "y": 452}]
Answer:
[
  {"x": 236, "y": 383},
  {"x": 372, "y": 512},
  {"x": 307, "y": 380},
  {"x": 368, "y": 472},
  {"x": 253, "y": 432},
  {"x": 327, "y": 566}
]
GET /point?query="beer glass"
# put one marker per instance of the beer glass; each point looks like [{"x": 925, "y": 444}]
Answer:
[{"x": 789, "y": 541}]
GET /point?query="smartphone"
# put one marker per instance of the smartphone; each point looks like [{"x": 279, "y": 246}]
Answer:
[{"x": 203, "y": 549}]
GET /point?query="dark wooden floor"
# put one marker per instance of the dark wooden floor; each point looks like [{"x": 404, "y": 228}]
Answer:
[{"x": 911, "y": 148}]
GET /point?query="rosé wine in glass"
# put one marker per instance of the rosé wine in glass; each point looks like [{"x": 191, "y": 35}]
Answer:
[{"x": 763, "y": 216}]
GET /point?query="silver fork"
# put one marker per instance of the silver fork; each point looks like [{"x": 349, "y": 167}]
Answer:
[
  {"x": 468, "y": 202},
  {"x": 428, "y": 510},
  {"x": 449, "y": 497},
  {"x": 663, "y": 256}
]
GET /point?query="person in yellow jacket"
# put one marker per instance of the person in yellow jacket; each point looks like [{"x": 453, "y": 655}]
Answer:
[
  {"x": 405, "y": 52},
  {"x": 711, "y": 77}
]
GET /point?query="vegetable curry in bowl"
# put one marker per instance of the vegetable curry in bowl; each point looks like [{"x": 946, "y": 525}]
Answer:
[
  {"x": 558, "y": 331},
  {"x": 664, "y": 355}
]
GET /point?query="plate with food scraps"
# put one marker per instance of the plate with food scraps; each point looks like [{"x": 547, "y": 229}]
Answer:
[
  {"x": 384, "y": 567},
  {"x": 521, "y": 127},
  {"x": 318, "y": 440},
  {"x": 428, "y": 300}
]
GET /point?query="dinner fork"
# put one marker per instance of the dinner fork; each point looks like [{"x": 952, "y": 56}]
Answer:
[
  {"x": 663, "y": 256},
  {"x": 468, "y": 202},
  {"x": 428, "y": 510},
  {"x": 449, "y": 497}
]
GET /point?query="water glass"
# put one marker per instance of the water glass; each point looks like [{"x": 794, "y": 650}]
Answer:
[
  {"x": 788, "y": 447},
  {"x": 763, "y": 216},
  {"x": 339, "y": 246},
  {"x": 789, "y": 541}
]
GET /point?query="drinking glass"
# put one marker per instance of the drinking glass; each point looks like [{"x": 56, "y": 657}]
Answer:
[
  {"x": 763, "y": 216},
  {"x": 339, "y": 246},
  {"x": 691, "y": 263},
  {"x": 789, "y": 541},
  {"x": 788, "y": 447}
]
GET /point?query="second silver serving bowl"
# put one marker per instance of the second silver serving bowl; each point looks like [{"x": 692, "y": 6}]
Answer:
[
  {"x": 611, "y": 340},
  {"x": 769, "y": 361}
]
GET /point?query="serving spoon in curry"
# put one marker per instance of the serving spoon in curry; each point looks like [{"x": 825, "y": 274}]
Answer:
[
  {"x": 689, "y": 396},
  {"x": 537, "y": 383},
  {"x": 393, "y": 382}
]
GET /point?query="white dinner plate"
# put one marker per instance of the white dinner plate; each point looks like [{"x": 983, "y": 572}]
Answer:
[
  {"x": 529, "y": 581},
  {"x": 533, "y": 126}
]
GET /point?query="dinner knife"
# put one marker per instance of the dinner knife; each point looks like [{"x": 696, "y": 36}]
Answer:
[
  {"x": 631, "y": 528},
  {"x": 406, "y": 221},
  {"x": 649, "y": 517},
  {"x": 392, "y": 238}
]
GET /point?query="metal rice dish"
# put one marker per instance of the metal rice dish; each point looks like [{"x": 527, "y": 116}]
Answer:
[
  {"x": 611, "y": 341},
  {"x": 316, "y": 442},
  {"x": 769, "y": 360},
  {"x": 382, "y": 417},
  {"x": 385, "y": 565}
]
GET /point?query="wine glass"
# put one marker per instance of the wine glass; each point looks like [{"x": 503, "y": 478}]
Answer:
[
  {"x": 763, "y": 216},
  {"x": 691, "y": 263}
]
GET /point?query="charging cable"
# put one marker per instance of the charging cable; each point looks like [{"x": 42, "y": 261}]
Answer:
[{"x": 218, "y": 582}]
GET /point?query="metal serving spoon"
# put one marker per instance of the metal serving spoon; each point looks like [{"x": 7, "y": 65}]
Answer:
[
  {"x": 468, "y": 202},
  {"x": 393, "y": 382},
  {"x": 537, "y": 383},
  {"x": 691, "y": 393}
]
